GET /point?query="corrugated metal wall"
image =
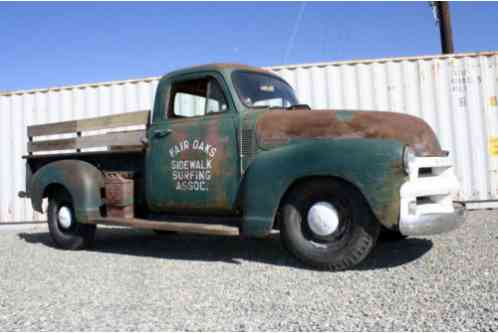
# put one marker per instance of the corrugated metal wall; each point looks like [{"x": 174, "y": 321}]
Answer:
[
  {"x": 18, "y": 110},
  {"x": 456, "y": 95}
]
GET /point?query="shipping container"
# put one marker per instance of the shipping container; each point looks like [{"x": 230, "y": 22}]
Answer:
[{"x": 456, "y": 94}]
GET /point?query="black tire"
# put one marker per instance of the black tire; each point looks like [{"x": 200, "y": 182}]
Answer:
[
  {"x": 77, "y": 235},
  {"x": 164, "y": 232},
  {"x": 351, "y": 242},
  {"x": 391, "y": 235}
]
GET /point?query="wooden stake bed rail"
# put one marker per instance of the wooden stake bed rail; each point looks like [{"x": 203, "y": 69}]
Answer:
[{"x": 122, "y": 139}]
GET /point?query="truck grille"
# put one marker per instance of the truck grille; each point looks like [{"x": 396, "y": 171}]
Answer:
[{"x": 431, "y": 188}]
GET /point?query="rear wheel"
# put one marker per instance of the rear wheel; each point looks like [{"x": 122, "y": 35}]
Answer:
[
  {"x": 64, "y": 229},
  {"x": 327, "y": 224}
]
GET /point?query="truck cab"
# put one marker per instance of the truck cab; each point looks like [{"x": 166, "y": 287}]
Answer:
[{"x": 229, "y": 147}]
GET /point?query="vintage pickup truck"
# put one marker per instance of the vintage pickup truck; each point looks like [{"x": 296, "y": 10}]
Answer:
[{"x": 228, "y": 149}]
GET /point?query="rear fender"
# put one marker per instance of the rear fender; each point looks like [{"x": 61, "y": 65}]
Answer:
[{"x": 81, "y": 179}]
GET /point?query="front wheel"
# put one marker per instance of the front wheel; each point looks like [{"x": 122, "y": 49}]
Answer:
[
  {"x": 391, "y": 235},
  {"x": 64, "y": 229},
  {"x": 327, "y": 224}
]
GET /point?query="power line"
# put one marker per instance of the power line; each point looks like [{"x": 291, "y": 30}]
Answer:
[{"x": 292, "y": 37}]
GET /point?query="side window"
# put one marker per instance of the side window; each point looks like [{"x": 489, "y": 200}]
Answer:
[
  {"x": 188, "y": 98},
  {"x": 196, "y": 98},
  {"x": 216, "y": 100}
]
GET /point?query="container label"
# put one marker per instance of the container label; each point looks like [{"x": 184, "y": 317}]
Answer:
[
  {"x": 492, "y": 101},
  {"x": 493, "y": 146}
]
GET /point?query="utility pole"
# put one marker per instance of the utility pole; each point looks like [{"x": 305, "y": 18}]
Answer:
[{"x": 443, "y": 15}]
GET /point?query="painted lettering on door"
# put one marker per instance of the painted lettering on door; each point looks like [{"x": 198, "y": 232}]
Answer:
[{"x": 192, "y": 174}]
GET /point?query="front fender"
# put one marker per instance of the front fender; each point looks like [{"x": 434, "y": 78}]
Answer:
[
  {"x": 81, "y": 179},
  {"x": 372, "y": 165}
]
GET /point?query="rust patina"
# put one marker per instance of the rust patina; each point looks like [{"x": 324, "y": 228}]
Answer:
[
  {"x": 246, "y": 176},
  {"x": 278, "y": 126}
]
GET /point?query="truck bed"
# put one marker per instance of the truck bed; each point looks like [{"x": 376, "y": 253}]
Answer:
[
  {"x": 122, "y": 132},
  {"x": 111, "y": 143}
]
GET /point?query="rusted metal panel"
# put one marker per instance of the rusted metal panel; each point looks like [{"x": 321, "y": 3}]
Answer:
[
  {"x": 184, "y": 227},
  {"x": 455, "y": 94},
  {"x": 119, "y": 194},
  {"x": 81, "y": 179},
  {"x": 278, "y": 126}
]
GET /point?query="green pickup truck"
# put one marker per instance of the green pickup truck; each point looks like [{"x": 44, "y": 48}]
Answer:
[{"x": 228, "y": 149}]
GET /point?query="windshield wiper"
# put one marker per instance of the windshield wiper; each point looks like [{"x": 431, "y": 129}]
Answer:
[
  {"x": 291, "y": 107},
  {"x": 298, "y": 106}
]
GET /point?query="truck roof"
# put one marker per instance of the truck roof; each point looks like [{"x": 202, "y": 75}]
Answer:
[{"x": 215, "y": 67}]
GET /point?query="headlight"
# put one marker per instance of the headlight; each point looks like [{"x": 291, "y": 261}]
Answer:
[{"x": 408, "y": 159}]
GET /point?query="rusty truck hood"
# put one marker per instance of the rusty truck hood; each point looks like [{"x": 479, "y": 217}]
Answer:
[{"x": 280, "y": 125}]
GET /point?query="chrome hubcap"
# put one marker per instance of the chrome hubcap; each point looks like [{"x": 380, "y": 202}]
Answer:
[
  {"x": 323, "y": 219},
  {"x": 64, "y": 217}
]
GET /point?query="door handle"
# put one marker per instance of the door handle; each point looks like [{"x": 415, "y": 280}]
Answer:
[{"x": 162, "y": 133}]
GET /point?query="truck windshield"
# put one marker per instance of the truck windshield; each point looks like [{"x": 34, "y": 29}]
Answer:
[{"x": 257, "y": 90}]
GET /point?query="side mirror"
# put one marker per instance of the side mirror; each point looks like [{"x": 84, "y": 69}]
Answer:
[{"x": 144, "y": 141}]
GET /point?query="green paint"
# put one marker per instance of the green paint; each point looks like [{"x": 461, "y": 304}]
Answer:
[
  {"x": 365, "y": 163},
  {"x": 81, "y": 179},
  {"x": 196, "y": 166},
  {"x": 344, "y": 115},
  {"x": 251, "y": 185}
]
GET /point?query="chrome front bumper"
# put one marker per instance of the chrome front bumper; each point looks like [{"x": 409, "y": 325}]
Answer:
[
  {"x": 427, "y": 205},
  {"x": 431, "y": 224}
]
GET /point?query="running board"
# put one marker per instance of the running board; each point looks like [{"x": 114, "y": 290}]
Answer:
[{"x": 191, "y": 228}]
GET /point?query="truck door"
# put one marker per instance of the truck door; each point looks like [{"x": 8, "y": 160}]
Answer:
[{"x": 192, "y": 159}]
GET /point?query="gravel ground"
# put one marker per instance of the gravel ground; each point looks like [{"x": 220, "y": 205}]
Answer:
[{"x": 136, "y": 280}]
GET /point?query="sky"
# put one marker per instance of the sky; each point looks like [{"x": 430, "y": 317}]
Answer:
[{"x": 56, "y": 44}]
